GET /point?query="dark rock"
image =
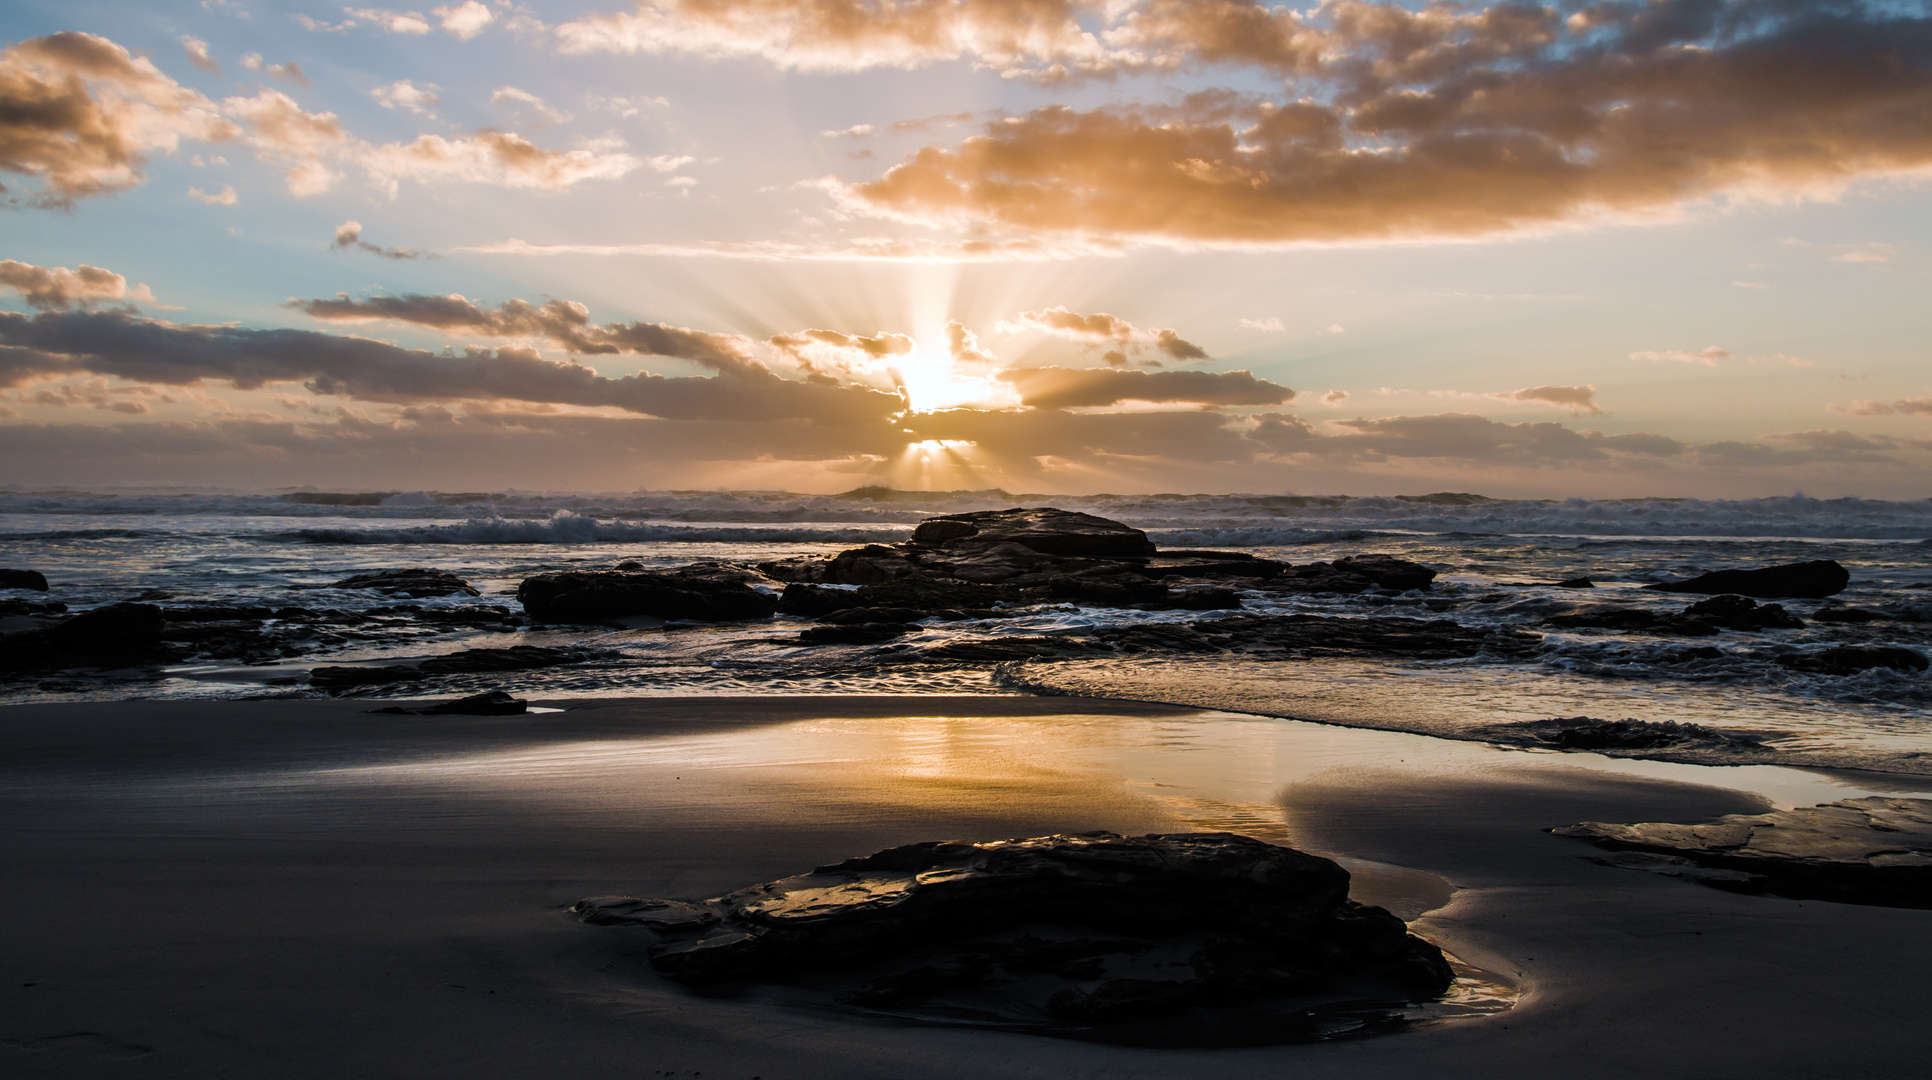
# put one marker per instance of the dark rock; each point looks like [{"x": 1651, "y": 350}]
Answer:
[
  {"x": 1081, "y": 936},
  {"x": 488, "y": 703},
  {"x": 1821, "y": 578},
  {"x": 32, "y": 607},
  {"x": 23, "y": 579},
  {"x": 813, "y": 601},
  {"x": 934, "y": 595},
  {"x": 589, "y": 596},
  {"x": 1356, "y": 574},
  {"x": 1204, "y": 599},
  {"x": 466, "y": 662},
  {"x": 868, "y": 565},
  {"x": 1610, "y": 617},
  {"x": 870, "y": 633},
  {"x": 414, "y": 582},
  {"x": 1321, "y": 635},
  {"x": 1211, "y": 564},
  {"x": 1737, "y": 613},
  {"x": 208, "y": 613},
  {"x": 1047, "y": 530},
  {"x": 1590, "y": 733},
  {"x": 1851, "y": 659},
  {"x": 1575, "y": 583},
  {"x": 1000, "y": 650},
  {"x": 1864, "y": 851},
  {"x": 1847, "y": 615},
  {"x": 107, "y": 636},
  {"x": 1122, "y": 590}
]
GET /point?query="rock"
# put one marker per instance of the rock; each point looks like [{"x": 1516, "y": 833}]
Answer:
[
  {"x": 588, "y": 596},
  {"x": 1204, "y": 599},
  {"x": 1000, "y": 650},
  {"x": 852, "y": 615},
  {"x": 1851, "y": 659},
  {"x": 1590, "y": 733},
  {"x": 31, "y": 607},
  {"x": 1120, "y": 590},
  {"x": 868, "y": 565},
  {"x": 107, "y": 636},
  {"x": 868, "y": 633},
  {"x": 1321, "y": 635},
  {"x": 1737, "y": 613},
  {"x": 1047, "y": 530},
  {"x": 488, "y": 703},
  {"x": 937, "y": 595},
  {"x": 1873, "y": 850},
  {"x": 1812, "y": 580},
  {"x": 813, "y": 601},
  {"x": 1356, "y": 574},
  {"x": 23, "y": 579},
  {"x": 1096, "y": 935},
  {"x": 1611, "y": 617},
  {"x": 414, "y": 582},
  {"x": 1575, "y": 583},
  {"x": 466, "y": 662}
]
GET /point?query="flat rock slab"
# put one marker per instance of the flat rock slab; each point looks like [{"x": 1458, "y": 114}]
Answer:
[
  {"x": 1816, "y": 580},
  {"x": 415, "y": 582},
  {"x": 1166, "y": 939},
  {"x": 1873, "y": 850},
  {"x": 1048, "y": 530}
]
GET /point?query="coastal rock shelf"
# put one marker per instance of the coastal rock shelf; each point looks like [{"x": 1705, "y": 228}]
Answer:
[
  {"x": 1873, "y": 850},
  {"x": 1166, "y": 939}
]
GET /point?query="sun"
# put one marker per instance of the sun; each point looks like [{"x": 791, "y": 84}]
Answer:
[{"x": 933, "y": 380}]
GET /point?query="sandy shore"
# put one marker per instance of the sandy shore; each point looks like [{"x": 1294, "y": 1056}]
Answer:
[{"x": 298, "y": 889}]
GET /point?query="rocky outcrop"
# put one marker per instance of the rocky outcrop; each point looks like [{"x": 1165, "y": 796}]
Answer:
[
  {"x": 1702, "y": 619},
  {"x": 23, "y": 579},
  {"x": 1355, "y": 575},
  {"x": 1865, "y": 851},
  {"x": 1096, "y": 935},
  {"x": 110, "y": 636},
  {"x": 415, "y": 582},
  {"x": 466, "y": 662},
  {"x": 1590, "y": 733},
  {"x": 1736, "y": 613},
  {"x": 1047, "y": 530},
  {"x": 700, "y": 594},
  {"x": 1808, "y": 580}
]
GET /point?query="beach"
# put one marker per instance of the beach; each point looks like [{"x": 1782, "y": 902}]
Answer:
[{"x": 304, "y": 888}]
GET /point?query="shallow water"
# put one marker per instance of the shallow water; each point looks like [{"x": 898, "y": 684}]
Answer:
[{"x": 284, "y": 550}]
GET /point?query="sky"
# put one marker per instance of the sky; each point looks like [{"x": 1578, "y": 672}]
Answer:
[{"x": 1614, "y": 249}]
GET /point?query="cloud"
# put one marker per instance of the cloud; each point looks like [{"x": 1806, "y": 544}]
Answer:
[
  {"x": 565, "y": 322},
  {"x": 56, "y": 288},
  {"x": 1400, "y": 124},
  {"x": 1749, "y": 285},
  {"x": 291, "y": 71},
  {"x": 856, "y": 249},
  {"x": 510, "y": 93},
  {"x": 396, "y": 22},
  {"x": 404, "y": 94},
  {"x": 963, "y": 346},
  {"x": 1708, "y": 355},
  {"x": 841, "y": 35},
  {"x": 1460, "y": 437},
  {"x": 856, "y": 131},
  {"x": 1580, "y": 400},
  {"x": 1120, "y": 337},
  {"x": 197, "y": 51},
  {"x": 225, "y": 197},
  {"x": 1069, "y": 388},
  {"x": 1334, "y": 398},
  {"x": 123, "y": 345},
  {"x": 1907, "y": 406},
  {"x": 80, "y": 114},
  {"x": 1269, "y": 325},
  {"x": 1869, "y": 253},
  {"x": 464, "y": 20},
  {"x": 349, "y": 235}
]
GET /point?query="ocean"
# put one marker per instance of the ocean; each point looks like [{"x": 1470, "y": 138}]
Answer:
[{"x": 1496, "y": 560}]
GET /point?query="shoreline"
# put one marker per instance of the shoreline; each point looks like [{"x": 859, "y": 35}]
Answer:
[{"x": 206, "y": 887}]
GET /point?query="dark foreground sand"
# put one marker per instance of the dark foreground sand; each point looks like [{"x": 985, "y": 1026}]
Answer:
[{"x": 296, "y": 889}]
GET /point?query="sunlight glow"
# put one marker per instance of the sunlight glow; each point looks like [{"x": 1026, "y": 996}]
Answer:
[{"x": 933, "y": 380}]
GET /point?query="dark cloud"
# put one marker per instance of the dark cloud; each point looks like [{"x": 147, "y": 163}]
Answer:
[
  {"x": 1064, "y": 388},
  {"x": 1458, "y": 437},
  {"x": 152, "y": 351}
]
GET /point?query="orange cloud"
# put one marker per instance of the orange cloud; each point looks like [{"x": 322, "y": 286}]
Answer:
[
  {"x": 55, "y": 288},
  {"x": 1120, "y": 337},
  {"x": 1072, "y": 388}
]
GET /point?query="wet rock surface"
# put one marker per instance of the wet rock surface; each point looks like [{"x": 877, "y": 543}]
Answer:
[
  {"x": 1046, "y": 530},
  {"x": 415, "y": 582},
  {"x": 1873, "y": 850},
  {"x": 1852, "y": 659},
  {"x": 705, "y": 592},
  {"x": 1590, "y": 733},
  {"x": 487, "y": 703},
  {"x": 111, "y": 636},
  {"x": 1176, "y": 939},
  {"x": 1816, "y": 580},
  {"x": 466, "y": 662}
]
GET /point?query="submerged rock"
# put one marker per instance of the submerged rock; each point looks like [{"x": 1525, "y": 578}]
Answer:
[
  {"x": 488, "y": 703},
  {"x": 1130, "y": 939},
  {"x": 1737, "y": 613},
  {"x": 1356, "y": 574},
  {"x": 1811, "y": 580},
  {"x": 466, "y": 662},
  {"x": 702, "y": 593},
  {"x": 1864, "y": 851},
  {"x": 415, "y": 582},
  {"x": 1590, "y": 733},
  {"x": 23, "y": 579}
]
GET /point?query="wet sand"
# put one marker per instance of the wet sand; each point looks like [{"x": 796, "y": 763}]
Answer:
[{"x": 303, "y": 889}]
